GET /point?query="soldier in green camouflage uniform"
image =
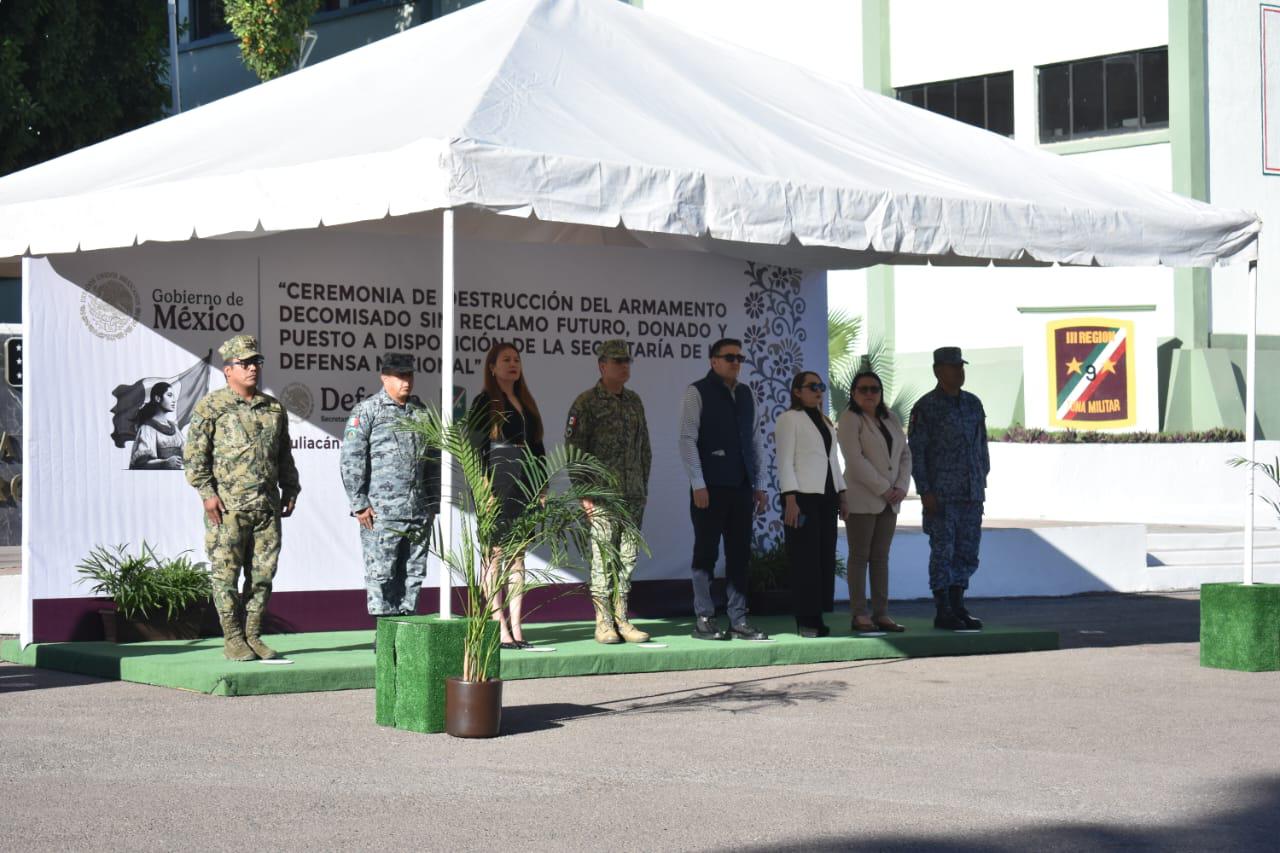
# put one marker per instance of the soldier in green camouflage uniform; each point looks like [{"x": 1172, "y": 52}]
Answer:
[
  {"x": 393, "y": 487},
  {"x": 608, "y": 422},
  {"x": 241, "y": 462}
]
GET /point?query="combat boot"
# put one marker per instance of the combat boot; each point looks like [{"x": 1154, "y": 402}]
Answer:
[
  {"x": 955, "y": 595},
  {"x": 253, "y": 636},
  {"x": 946, "y": 618},
  {"x": 605, "y": 631},
  {"x": 626, "y": 630},
  {"x": 233, "y": 644}
]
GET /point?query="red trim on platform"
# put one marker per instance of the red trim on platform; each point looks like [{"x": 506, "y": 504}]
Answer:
[{"x": 64, "y": 620}]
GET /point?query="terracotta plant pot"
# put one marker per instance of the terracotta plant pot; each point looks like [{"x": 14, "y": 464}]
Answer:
[{"x": 472, "y": 708}]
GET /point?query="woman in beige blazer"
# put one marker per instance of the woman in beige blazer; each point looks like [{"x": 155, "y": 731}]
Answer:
[
  {"x": 812, "y": 499},
  {"x": 877, "y": 469}
]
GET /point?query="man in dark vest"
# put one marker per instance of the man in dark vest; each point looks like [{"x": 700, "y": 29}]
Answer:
[{"x": 722, "y": 455}]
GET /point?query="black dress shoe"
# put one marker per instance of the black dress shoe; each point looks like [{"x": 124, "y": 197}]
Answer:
[
  {"x": 745, "y": 631},
  {"x": 509, "y": 646},
  {"x": 707, "y": 629}
]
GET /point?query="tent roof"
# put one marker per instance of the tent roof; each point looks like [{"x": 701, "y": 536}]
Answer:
[{"x": 592, "y": 113}]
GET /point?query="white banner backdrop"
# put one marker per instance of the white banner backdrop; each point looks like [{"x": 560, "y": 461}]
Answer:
[{"x": 105, "y": 327}]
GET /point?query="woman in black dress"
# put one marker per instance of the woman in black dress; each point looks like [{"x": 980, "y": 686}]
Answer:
[{"x": 507, "y": 408}]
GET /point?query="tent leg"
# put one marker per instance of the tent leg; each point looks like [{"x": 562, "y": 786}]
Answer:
[
  {"x": 446, "y": 407},
  {"x": 1250, "y": 406},
  {"x": 26, "y": 626}
]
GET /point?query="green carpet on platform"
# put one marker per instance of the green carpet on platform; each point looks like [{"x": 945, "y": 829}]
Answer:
[{"x": 343, "y": 660}]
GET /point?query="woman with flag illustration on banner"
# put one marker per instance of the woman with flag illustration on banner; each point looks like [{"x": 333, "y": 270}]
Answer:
[{"x": 159, "y": 442}]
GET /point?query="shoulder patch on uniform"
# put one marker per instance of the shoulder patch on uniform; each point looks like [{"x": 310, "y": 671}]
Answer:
[
  {"x": 570, "y": 426},
  {"x": 353, "y": 422}
]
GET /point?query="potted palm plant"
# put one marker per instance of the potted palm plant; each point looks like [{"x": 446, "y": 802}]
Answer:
[
  {"x": 485, "y": 554},
  {"x": 155, "y": 598}
]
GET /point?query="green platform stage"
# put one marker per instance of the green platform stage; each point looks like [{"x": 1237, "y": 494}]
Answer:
[{"x": 344, "y": 660}]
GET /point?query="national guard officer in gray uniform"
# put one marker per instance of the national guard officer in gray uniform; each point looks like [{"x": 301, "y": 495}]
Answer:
[
  {"x": 950, "y": 463},
  {"x": 608, "y": 422},
  {"x": 393, "y": 488}
]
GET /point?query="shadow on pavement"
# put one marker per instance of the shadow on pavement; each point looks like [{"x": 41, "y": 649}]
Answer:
[
  {"x": 17, "y": 679},
  {"x": 1254, "y": 825},
  {"x": 1091, "y": 620},
  {"x": 523, "y": 719}
]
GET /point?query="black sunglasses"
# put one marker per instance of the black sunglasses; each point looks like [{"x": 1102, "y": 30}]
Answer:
[
  {"x": 815, "y": 386},
  {"x": 868, "y": 389},
  {"x": 256, "y": 361},
  {"x": 625, "y": 359},
  {"x": 732, "y": 358}
]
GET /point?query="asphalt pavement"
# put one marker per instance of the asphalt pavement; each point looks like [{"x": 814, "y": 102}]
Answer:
[{"x": 1119, "y": 740}]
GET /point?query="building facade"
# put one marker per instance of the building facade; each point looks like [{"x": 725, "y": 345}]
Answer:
[{"x": 1166, "y": 92}]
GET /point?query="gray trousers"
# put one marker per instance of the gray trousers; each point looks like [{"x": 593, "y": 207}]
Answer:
[
  {"x": 870, "y": 535},
  {"x": 394, "y": 565}
]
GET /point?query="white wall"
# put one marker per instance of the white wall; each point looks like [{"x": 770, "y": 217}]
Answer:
[
  {"x": 937, "y": 40},
  {"x": 1235, "y": 160},
  {"x": 823, "y": 35},
  {"x": 941, "y": 39}
]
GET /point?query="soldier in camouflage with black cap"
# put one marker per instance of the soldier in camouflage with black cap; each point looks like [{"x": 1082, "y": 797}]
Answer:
[
  {"x": 241, "y": 462},
  {"x": 950, "y": 463},
  {"x": 393, "y": 487},
  {"x": 608, "y": 422}
]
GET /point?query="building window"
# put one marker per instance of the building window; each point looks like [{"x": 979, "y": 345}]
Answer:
[
  {"x": 206, "y": 19},
  {"x": 1121, "y": 93},
  {"x": 985, "y": 102}
]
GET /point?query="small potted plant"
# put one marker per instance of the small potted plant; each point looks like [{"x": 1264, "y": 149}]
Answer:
[
  {"x": 551, "y": 519},
  {"x": 155, "y": 598},
  {"x": 769, "y": 578}
]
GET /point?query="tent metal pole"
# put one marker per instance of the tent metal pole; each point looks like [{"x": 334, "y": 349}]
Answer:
[
  {"x": 446, "y": 407},
  {"x": 1250, "y": 406},
  {"x": 175, "y": 84}
]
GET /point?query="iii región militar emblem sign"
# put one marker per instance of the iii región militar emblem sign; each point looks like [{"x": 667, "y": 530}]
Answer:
[{"x": 1091, "y": 377}]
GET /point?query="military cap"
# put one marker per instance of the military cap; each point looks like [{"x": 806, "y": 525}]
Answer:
[
  {"x": 239, "y": 348},
  {"x": 948, "y": 355},
  {"x": 616, "y": 348},
  {"x": 397, "y": 362}
]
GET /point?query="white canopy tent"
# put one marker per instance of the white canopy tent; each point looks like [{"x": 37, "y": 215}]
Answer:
[{"x": 590, "y": 121}]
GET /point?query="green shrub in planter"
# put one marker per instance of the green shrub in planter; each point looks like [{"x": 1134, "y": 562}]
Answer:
[
  {"x": 146, "y": 585},
  {"x": 768, "y": 570}
]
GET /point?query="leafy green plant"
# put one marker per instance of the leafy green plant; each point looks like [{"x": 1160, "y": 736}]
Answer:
[
  {"x": 843, "y": 332},
  {"x": 1035, "y": 435},
  {"x": 1269, "y": 470},
  {"x": 269, "y": 32},
  {"x": 75, "y": 73},
  {"x": 551, "y": 518},
  {"x": 145, "y": 583},
  {"x": 768, "y": 568}
]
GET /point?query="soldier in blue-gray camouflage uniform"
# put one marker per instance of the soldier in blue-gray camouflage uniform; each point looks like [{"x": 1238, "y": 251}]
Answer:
[
  {"x": 950, "y": 463},
  {"x": 393, "y": 488}
]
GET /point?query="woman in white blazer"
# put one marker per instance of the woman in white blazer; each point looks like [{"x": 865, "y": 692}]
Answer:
[
  {"x": 813, "y": 499},
  {"x": 877, "y": 469}
]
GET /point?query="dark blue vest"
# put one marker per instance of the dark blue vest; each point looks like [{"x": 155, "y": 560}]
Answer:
[{"x": 726, "y": 432}]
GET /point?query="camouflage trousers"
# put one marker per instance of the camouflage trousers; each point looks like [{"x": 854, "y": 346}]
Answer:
[
  {"x": 955, "y": 532},
  {"x": 248, "y": 540},
  {"x": 613, "y": 556},
  {"x": 395, "y": 564}
]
